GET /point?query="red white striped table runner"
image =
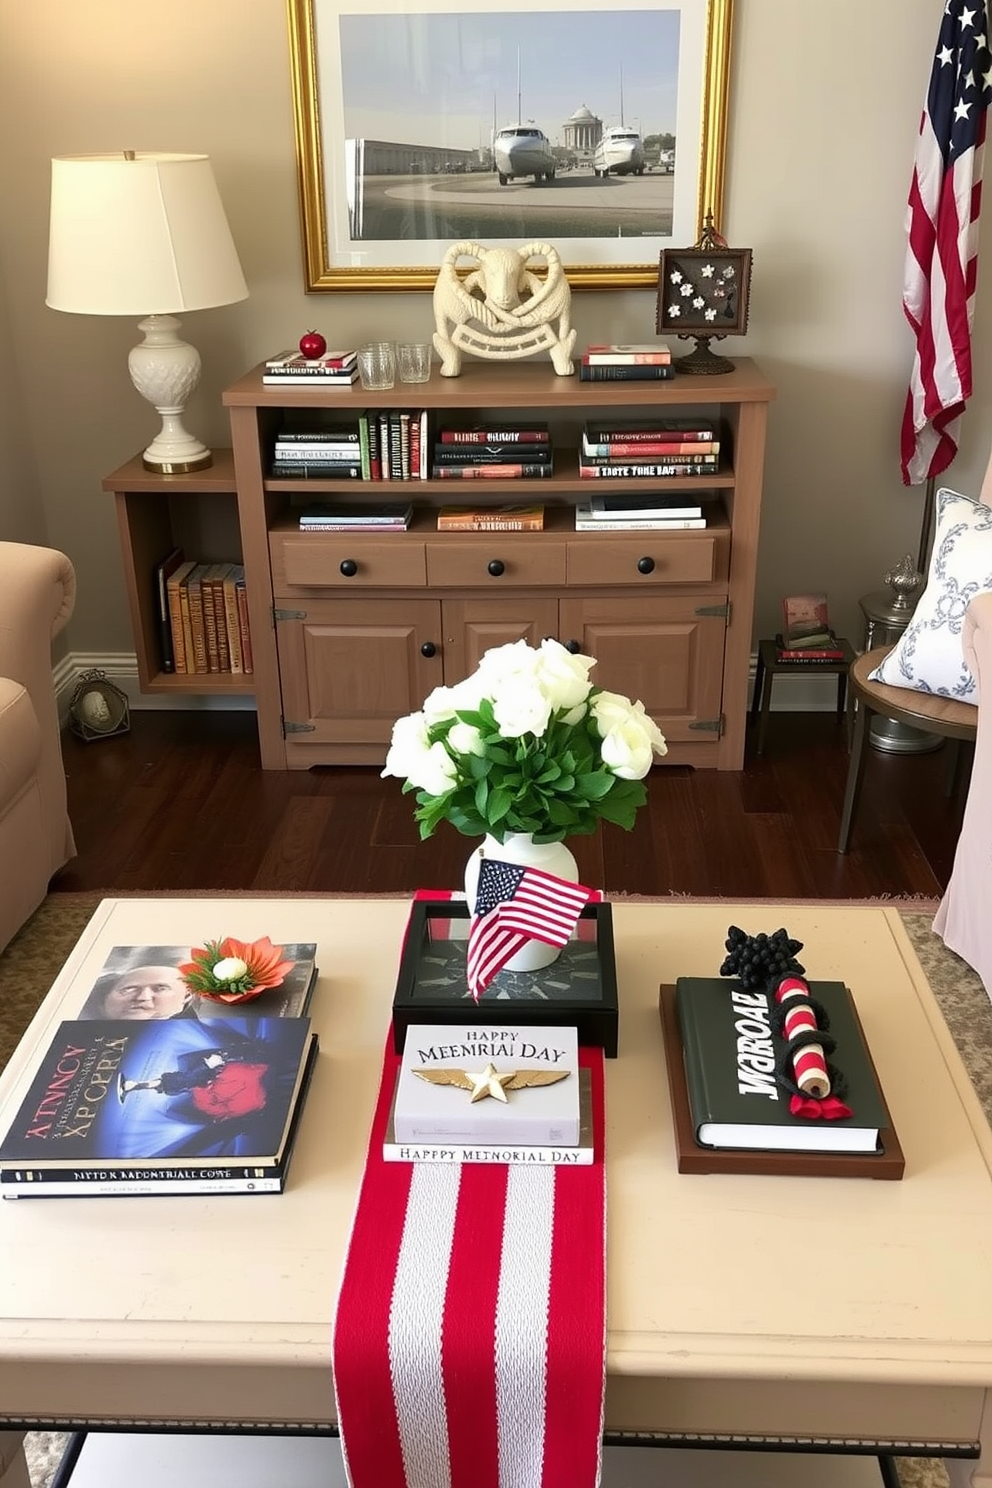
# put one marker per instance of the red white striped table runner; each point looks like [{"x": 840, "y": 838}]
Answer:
[{"x": 470, "y": 1334}]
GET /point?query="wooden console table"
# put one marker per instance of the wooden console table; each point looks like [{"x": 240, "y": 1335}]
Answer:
[{"x": 790, "y": 1312}]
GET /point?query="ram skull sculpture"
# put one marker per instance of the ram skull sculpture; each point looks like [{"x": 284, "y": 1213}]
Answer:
[{"x": 503, "y": 308}]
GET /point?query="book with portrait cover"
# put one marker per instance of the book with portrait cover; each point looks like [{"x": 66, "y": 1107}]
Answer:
[
  {"x": 165, "y": 1099},
  {"x": 138, "y": 982},
  {"x": 476, "y": 1083},
  {"x": 730, "y": 1054}
]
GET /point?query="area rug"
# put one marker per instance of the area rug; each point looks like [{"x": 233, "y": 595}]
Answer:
[{"x": 33, "y": 959}]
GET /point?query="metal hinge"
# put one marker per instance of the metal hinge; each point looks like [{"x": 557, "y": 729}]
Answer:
[
  {"x": 718, "y": 612},
  {"x": 710, "y": 725},
  {"x": 297, "y": 728},
  {"x": 278, "y": 615}
]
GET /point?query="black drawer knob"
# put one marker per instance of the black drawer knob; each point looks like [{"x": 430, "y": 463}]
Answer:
[
  {"x": 349, "y": 567},
  {"x": 496, "y": 566},
  {"x": 645, "y": 565},
  {"x": 428, "y": 649}
]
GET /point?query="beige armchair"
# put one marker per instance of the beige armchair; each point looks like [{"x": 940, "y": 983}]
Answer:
[{"x": 37, "y": 594}]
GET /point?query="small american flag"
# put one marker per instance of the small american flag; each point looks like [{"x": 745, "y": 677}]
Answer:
[
  {"x": 514, "y": 904},
  {"x": 942, "y": 254}
]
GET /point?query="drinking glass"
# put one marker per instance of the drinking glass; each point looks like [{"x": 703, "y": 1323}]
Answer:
[
  {"x": 414, "y": 361},
  {"x": 377, "y": 365}
]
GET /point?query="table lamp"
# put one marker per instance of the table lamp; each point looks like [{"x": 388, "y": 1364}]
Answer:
[{"x": 145, "y": 234}]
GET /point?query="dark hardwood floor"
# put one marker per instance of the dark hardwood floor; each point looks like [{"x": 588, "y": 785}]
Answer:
[{"x": 181, "y": 803}]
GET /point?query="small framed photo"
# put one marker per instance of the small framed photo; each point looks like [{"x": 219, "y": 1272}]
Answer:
[{"x": 703, "y": 291}]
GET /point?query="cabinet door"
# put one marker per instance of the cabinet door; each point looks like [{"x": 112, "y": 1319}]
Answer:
[
  {"x": 349, "y": 669},
  {"x": 663, "y": 651},
  {"x": 472, "y": 626}
]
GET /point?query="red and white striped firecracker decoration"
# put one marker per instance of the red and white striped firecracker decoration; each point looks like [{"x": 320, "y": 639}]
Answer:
[{"x": 809, "y": 1064}]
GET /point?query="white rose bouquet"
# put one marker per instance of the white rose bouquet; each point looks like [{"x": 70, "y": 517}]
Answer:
[{"x": 526, "y": 744}]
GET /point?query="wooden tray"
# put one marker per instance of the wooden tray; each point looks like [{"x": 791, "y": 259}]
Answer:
[{"x": 692, "y": 1158}]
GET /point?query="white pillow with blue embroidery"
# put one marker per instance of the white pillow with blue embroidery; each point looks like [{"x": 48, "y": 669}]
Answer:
[{"x": 928, "y": 656}]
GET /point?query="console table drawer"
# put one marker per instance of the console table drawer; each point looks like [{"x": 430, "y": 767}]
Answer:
[
  {"x": 494, "y": 559},
  {"x": 647, "y": 558},
  {"x": 345, "y": 560}
]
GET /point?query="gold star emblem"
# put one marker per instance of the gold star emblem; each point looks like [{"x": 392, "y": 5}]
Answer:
[{"x": 489, "y": 1081}]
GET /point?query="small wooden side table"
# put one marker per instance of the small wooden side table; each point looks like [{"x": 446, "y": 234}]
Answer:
[{"x": 769, "y": 667}]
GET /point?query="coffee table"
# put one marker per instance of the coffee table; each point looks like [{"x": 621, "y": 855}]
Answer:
[{"x": 844, "y": 1315}]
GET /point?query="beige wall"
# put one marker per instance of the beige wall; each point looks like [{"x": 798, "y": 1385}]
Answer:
[{"x": 825, "y": 102}]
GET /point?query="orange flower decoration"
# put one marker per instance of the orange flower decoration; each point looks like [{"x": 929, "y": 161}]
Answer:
[{"x": 232, "y": 970}]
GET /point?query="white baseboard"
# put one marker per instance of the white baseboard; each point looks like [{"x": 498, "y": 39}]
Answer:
[{"x": 791, "y": 694}]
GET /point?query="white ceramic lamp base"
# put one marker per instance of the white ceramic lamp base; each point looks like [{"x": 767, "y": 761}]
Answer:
[{"x": 165, "y": 371}]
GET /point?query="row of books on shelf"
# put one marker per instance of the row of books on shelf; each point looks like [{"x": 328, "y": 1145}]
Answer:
[
  {"x": 202, "y": 612},
  {"x": 601, "y": 514},
  {"x": 147, "y": 1087},
  {"x": 399, "y": 444}
]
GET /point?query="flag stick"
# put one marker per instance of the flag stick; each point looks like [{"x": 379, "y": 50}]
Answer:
[{"x": 926, "y": 529}]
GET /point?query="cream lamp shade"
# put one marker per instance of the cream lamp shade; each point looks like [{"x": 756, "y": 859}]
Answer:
[{"x": 145, "y": 234}]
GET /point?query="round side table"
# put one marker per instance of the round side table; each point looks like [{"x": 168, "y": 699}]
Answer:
[{"x": 885, "y": 621}]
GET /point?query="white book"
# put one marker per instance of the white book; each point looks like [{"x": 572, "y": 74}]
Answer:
[
  {"x": 515, "y": 1153},
  {"x": 586, "y": 522},
  {"x": 466, "y": 1084}
]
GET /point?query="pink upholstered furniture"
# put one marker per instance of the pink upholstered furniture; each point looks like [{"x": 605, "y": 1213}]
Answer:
[
  {"x": 37, "y": 593},
  {"x": 964, "y": 917}
]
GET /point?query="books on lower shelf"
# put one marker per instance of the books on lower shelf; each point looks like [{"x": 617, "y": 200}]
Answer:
[
  {"x": 606, "y": 504},
  {"x": 586, "y": 521},
  {"x": 474, "y": 1083},
  {"x": 730, "y": 1054},
  {"x": 517, "y": 1153},
  {"x": 208, "y": 618},
  {"x": 336, "y": 516},
  {"x": 174, "y": 1105},
  {"x": 507, "y": 518}
]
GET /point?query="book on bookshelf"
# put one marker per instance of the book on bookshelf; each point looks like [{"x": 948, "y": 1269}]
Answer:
[
  {"x": 497, "y": 454},
  {"x": 175, "y": 1101},
  {"x": 291, "y": 435},
  {"x": 632, "y": 355},
  {"x": 649, "y": 449},
  {"x": 497, "y": 434},
  {"x": 163, "y": 573},
  {"x": 581, "y": 1155},
  {"x": 241, "y": 591},
  {"x": 730, "y": 1054},
  {"x": 524, "y": 470},
  {"x": 447, "y": 1072},
  {"x": 507, "y": 518},
  {"x": 318, "y": 468},
  {"x": 296, "y": 362},
  {"x": 658, "y": 504},
  {"x": 327, "y": 516},
  {"x": 805, "y": 621},
  {"x": 144, "y": 981},
  {"x": 831, "y": 652},
  {"x": 216, "y": 647},
  {"x": 181, "y": 659},
  {"x": 323, "y": 379},
  {"x": 586, "y": 521},
  {"x": 655, "y": 470},
  {"x": 341, "y": 450},
  {"x": 656, "y": 430},
  {"x": 230, "y": 598},
  {"x": 197, "y": 630},
  {"x": 614, "y": 373},
  {"x": 689, "y": 462}
]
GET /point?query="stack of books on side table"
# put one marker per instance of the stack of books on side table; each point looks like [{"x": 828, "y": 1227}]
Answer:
[
  {"x": 651, "y": 362},
  {"x": 293, "y": 369},
  {"x": 490, "y": 1094},
  {"x": 151, "y": 1088}
]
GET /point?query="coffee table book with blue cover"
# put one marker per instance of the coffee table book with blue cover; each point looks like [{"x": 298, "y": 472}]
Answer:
[
  {"x": 144, "y": 981},
  {"x": 730, "y": 1053},
  {"x": 477, "y": 1083},
  {"x": 174, "y": 1105}
]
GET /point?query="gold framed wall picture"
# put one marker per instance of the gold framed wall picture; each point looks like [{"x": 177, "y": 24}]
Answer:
[{"x": 600, "y": 131}]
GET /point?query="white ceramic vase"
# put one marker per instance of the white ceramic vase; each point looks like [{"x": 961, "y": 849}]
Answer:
[{"x": 520, "y": 847}]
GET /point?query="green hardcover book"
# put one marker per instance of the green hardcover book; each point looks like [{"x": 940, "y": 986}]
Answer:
[{"x": 730, "y": 1056}]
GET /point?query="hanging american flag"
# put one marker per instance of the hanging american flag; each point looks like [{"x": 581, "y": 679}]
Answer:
[
  {"x": 514, "y": 904},
  {"x": 942, "y": 225}
]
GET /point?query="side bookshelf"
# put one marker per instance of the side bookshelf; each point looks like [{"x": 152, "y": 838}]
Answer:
[
  {"x": 156, "y": 513},
  {"x": 349, "y": 631}
]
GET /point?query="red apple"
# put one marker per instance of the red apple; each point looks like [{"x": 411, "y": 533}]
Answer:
[{"x": 313, "y": 345}]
